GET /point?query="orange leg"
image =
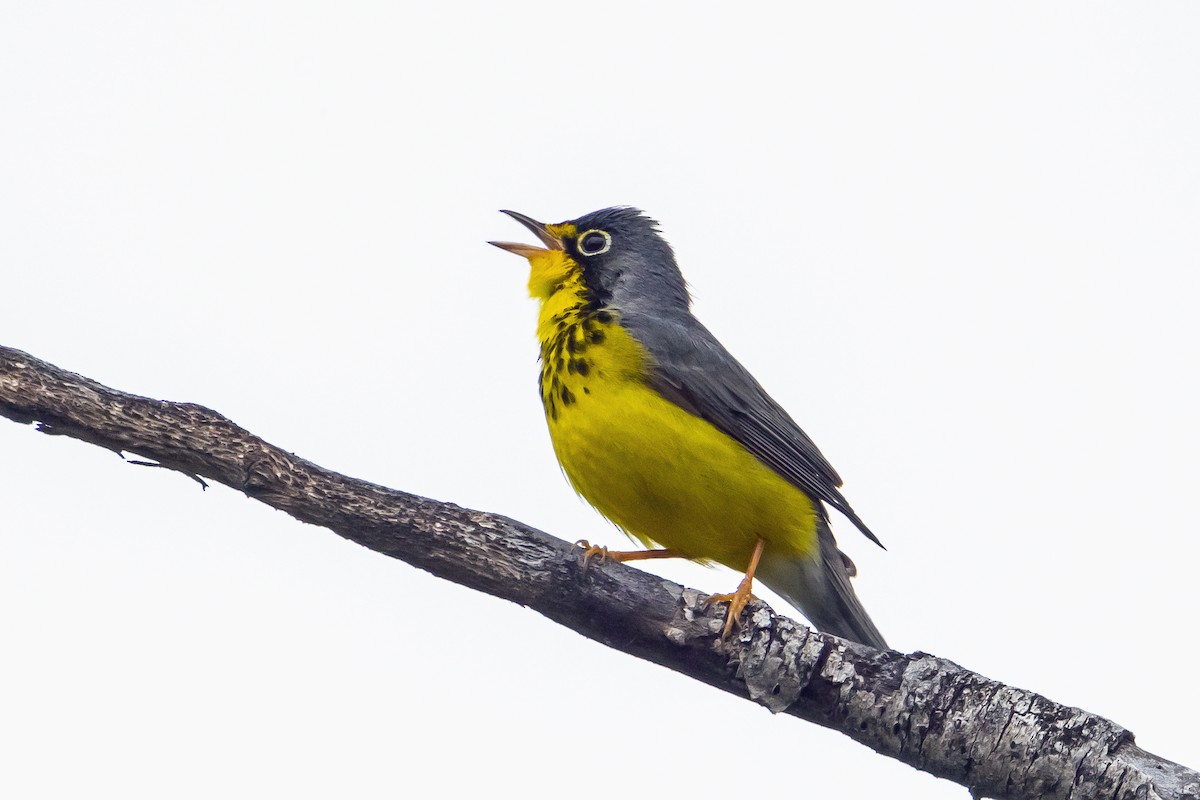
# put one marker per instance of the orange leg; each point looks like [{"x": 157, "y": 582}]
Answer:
[
  {"x": 590, "y": 551},
  {"x": 737, "y": 601}
]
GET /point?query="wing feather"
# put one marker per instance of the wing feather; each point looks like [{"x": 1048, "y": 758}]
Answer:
[{"x": 692, "y": 369}]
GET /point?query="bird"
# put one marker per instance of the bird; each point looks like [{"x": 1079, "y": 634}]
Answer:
[{"x": 668, "y": 436}]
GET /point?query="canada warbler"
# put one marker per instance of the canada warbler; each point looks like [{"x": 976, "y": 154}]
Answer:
[{"x": 667, "y": 435}]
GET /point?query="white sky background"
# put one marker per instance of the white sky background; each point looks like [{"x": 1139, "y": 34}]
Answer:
[{"x": 959, "y": 242}]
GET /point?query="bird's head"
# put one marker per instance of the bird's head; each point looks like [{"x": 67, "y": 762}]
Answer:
[{"x": 617, "y": 254}]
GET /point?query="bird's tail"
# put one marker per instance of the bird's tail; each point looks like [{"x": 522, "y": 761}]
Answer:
[{"x": 820, "y": 588}]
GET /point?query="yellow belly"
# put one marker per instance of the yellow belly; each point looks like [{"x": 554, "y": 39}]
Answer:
[{"x": 668, "y": 477}]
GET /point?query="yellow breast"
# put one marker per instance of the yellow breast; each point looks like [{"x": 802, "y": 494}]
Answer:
[{"x": 661, "y": 474}]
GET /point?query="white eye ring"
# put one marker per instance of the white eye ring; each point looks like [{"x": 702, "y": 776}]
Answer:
[{"x": 583, "y": 237}]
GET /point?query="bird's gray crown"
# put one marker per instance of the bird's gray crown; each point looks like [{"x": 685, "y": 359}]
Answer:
[{"x": 637, "y": 273}]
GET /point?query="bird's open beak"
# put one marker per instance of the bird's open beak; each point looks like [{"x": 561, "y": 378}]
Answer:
[{"x": 539, "y": 229}]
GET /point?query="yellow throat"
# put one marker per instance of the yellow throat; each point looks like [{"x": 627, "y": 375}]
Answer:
[{"x": 581, "y": 345}]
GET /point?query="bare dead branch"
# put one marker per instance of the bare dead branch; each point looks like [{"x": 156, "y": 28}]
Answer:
[{"x": 925, "y": 711}]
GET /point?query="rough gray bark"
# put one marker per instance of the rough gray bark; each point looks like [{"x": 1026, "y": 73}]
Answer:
[{"x": 996, "y": 740}]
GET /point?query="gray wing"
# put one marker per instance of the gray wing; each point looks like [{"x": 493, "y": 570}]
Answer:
[{"x": 693, "y": 370}]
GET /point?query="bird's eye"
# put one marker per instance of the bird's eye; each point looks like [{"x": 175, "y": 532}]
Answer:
[{"x": 593, "y": 243}]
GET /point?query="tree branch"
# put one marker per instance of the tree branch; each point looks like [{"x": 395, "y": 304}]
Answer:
[{"x": 925, "y": 711}]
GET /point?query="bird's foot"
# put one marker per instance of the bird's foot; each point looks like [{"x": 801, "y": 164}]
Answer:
[
  {"x": 590, "y": 551},
  {"x": 737, "y": 602}
]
